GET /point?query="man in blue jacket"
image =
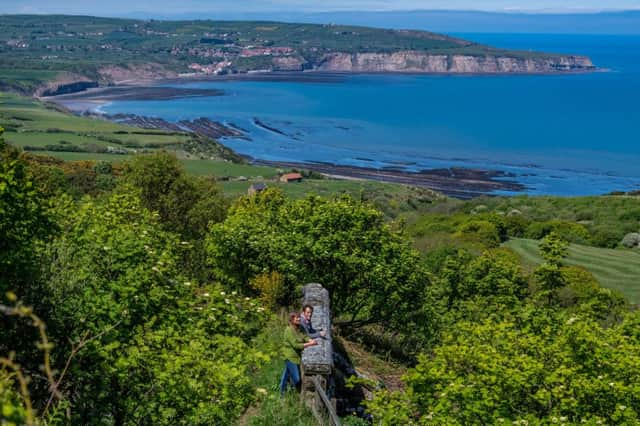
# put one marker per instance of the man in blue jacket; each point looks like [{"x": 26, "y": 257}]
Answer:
[{"x": 305, "y": 323}]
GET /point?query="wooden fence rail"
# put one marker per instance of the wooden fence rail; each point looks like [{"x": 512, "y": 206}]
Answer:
[{"x": 323, "y": 401}]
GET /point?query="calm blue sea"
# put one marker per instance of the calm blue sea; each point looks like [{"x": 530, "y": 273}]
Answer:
[{"x": 563, "y": 135}]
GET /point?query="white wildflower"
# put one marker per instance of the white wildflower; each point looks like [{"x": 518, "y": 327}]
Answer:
[
  {"x": 227, "y": 301},
  {"x": 187, "y": 283},
  {"x": 222, "y": 293},
  {"x": 205, "y": 294}
]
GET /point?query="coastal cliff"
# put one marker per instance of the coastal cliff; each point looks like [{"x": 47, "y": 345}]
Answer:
[
  {"x": 68, "y": 54},
  {"x": 423, "y": 62}
]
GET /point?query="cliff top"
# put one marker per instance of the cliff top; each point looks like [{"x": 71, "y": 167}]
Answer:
[{"x": 39, "y": 48}]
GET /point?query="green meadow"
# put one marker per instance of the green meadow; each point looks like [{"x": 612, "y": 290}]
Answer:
[{"x": 616, "y": 269}]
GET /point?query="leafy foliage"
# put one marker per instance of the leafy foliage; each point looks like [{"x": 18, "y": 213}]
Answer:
[
  {"x": 370, "y": 272},
  {"x": 271, "y": 288},
  {"x": 23, "y": 218},
  {"x": 185, "y": 204},
  {"x": 154, "y": 345},
  {"x": 506, "y": 372}
]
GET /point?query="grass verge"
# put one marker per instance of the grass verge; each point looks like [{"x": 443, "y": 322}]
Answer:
[{"x": 616, "y": 269}]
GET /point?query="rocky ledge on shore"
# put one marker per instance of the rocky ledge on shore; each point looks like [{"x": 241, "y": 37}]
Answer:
[{"x": 200, "y": 126}]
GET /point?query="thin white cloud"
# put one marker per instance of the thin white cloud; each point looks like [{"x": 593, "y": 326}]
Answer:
[{"x": 101, "y": 7}]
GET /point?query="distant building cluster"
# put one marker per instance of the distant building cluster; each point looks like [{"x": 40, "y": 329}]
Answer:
[
  {"x": 258, "y": 187},
  {"x": 266, "y": 51},
  {"x": 212, "y": 69}
]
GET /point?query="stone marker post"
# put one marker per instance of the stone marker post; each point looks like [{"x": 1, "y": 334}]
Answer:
[{"x": 317, "y": 360}]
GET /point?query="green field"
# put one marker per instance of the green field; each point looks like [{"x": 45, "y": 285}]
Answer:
[
  {"x": 229, "y": 169},
  {"x": 327, "y": 187},
  {"x": 47, "y": 129},
  {"x": 616, "y": 269}
]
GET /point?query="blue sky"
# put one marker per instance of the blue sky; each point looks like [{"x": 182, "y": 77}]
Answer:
[{"x": 123, "y": 7}]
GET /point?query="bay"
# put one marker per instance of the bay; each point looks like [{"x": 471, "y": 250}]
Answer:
[{"x": 557, "y": 134}]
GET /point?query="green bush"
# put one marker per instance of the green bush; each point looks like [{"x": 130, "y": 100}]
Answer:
[
  {"x": 370, "y": 271},
  {"x": 503, "y": 372},
  {"x": 158, "y": 347},
  {"x": 482, "y": 231},
  {"x": 572, "y": 232}
]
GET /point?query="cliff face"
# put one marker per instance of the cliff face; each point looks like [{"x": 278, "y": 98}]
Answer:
[
  {"x": 134, "y": 73},
  {"x": 66, "y": 83},
  {"x": 421, "y": 62}
]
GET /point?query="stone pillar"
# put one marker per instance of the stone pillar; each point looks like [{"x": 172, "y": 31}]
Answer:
[{"x": 317, "y": 360}]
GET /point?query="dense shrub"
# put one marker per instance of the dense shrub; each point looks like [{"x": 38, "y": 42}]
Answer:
[
  {"x": 370, "y": 271},
  {"x": 631, "y": 240},
  {"x": 482, "y": 231},
  {"x": 23, "y": 218},
  {"x": 185, "y": 204},
  {"x": 157, "y": 347},
  {"x": 572, "y": 232},
  {"x": 503, "y": 372}
]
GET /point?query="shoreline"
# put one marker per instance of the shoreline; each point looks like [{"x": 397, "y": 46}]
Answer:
[
  {"x": 484, "y": 179},
  {"x": 154, "y": 89},
  {"x": 457, "y": 182}
]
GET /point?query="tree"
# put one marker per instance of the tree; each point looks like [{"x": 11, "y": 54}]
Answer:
[
  {"x": 373, "y": 276},
  {"x": 548, "y": 275},
  {"x": 23, "y": 220},
  {"x": 158, "y": 347},
  {"x": 186, "y": 205}
]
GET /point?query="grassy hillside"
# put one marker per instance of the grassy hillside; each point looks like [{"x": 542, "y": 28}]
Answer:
[
  {"x": 616, "y": 269},
  {"x": 35, "y": 126}
]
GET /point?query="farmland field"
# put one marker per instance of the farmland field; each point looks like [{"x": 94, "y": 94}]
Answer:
[{"x": 616, "y": 269}]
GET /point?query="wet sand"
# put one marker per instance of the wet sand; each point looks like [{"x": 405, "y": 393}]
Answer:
[{"x": 132, "y": 93}]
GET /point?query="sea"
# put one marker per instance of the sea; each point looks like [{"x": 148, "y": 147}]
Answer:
[{"x": 567, "y": 135}]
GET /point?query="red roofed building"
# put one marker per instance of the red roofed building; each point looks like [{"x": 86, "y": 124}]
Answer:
[{"x": 291, "y": 177}]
